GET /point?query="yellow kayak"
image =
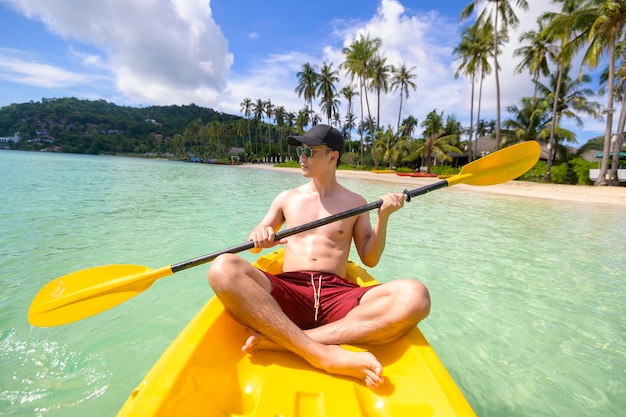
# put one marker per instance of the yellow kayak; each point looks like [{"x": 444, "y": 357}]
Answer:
[{"x": 204, "y": 373}]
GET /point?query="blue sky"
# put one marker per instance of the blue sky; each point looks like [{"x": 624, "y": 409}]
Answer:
[{"x": 216, "y": 53}]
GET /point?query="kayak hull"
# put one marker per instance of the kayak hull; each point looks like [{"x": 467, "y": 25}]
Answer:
[{"x": 204, "y": 373}]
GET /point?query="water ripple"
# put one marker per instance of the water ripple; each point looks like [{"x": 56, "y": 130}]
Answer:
[{"x": 42, "y": 375}]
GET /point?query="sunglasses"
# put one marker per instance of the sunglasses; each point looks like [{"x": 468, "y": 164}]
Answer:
[{"x": 308, "y": 152}]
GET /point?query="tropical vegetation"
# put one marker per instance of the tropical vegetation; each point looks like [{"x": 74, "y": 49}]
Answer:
[{"x": 593, "y": 28}]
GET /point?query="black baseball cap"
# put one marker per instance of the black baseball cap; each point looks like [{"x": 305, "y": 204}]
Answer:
[{"x": 320, "y": 135}]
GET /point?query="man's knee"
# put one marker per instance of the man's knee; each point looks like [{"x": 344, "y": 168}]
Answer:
[
  {"x": 223, "y": 268},
  {"x": 232, "y": 273},
  {"x": 415, "y": 297}
]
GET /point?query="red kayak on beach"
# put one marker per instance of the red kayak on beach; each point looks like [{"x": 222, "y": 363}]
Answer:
[{"x": 416, "y": 174}]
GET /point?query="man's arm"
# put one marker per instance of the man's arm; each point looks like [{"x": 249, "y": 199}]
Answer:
[
  {"x": 370, "y": 243},
  {"x": 263, "y": 234}
]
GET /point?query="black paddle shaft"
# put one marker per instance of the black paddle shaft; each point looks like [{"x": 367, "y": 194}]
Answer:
[{"x": 307, "y": 226}]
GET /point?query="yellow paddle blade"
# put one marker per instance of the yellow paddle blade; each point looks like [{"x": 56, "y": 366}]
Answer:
[
  {"x": 501, "y": 166},
  {"x": 84, "y": 293}
]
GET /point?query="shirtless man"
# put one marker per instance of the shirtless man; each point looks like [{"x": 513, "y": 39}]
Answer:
[{"x": 313, "y": 309}]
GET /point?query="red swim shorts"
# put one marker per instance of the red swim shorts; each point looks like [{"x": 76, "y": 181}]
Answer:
[{"x": 296, "y": 292}]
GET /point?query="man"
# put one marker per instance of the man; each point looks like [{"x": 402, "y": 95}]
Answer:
[{"x": 311, "y": 309}]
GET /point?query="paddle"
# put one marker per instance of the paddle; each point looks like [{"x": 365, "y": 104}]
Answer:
[{"x": 84, "y": 293}]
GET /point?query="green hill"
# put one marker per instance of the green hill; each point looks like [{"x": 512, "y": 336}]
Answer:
[{"x": 95, "y": 127}]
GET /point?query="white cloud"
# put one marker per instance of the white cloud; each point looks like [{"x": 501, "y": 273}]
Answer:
[
  {"x": 423, "y": 40},
  {"x": 274, "y": 78},
  {"x": 161, "y": 51},
  {"x": 88, "y": 60},
  {"x": 173, "y": 52},
  {"x": 16, "y": 67}
]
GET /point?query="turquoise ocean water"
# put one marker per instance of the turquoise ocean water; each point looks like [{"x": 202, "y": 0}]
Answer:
[{"x": 528, "y": 295}]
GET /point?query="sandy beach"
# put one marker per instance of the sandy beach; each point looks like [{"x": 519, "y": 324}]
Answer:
[{"x": 572, "y": 193}]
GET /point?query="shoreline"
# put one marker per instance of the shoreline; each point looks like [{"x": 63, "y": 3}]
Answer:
[{"x": 559, "y": 192}]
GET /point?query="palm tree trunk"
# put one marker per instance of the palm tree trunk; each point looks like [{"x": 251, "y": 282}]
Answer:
[
  {"x": 361, "y": 125},
  {"x": 618, "y": 144},
  {"x": 480, "y": 100},
  {"x": 551, "y": 141},
  {"x": 311, "y": 112},
  {"x": 602, "y": 177},
  {"x": 400, "y": 112},
  {"x": 471, "y": 131},
  {"x": 428, "y": 155},
  {"x": 378, "y": 111},
  {"x": 497, "y": 69},
  {"x": 249, "y": 136},
  {"x": 369, "y": 117},
  {"x": 269, "y": 141},
  {"x": 536, "y": 81}
]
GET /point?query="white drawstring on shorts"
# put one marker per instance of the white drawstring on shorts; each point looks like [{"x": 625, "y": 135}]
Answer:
[{"x": 316, "y": 293}]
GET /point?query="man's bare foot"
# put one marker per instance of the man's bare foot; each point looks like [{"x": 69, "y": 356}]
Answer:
[
  {"x": 360, "y": 365},
  {"x": 333, "y": 359},
  {"x": 257, "y": 342}
]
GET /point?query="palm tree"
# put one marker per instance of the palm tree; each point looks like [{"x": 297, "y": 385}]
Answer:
[
  {"x": 195, "y": 137},
  {"x": 367, "y": 133},
  {"x": 246, "y": 108},
  {"x": 474, "y": 50},
  {"x": 409, "y": 124},
  {"x": 349, "y": 125},
  {"x": 602, "y": 23},
  {"x": 535, "y": 55},
  {"x": 359, "y": 56},
  {"x": 307, "y": 84},
  {"x": 389, "y": 144},
  {"x": 349, "y": 93},
  {"x": 258, "y": 111},
  {"x": 402, "y": 80},
  {"x": 561, "y": 27},
  {"x": 454, "y": 130},
  {"x": 572, "y": 100},
  {"x": 327, "y": 91},
  {"x": 291, "y": 122},
  {"x": 178, "y": 141},
  {"x": 269, "y": 112},
  {"x": 437, "y": 141},
  {"x": 239, "y": 128},
  {"x": 279, "y": 116},
  {"x": 379, "y": 82},
  {"x": 501, "y": 9},
  {"x": 620, "y": 95},
  {"x": 315, "y": 119},
  {"x": 530, "y": 121},
  {"x": 337, "y": 117},
  {"x": 302, "y": 119}
]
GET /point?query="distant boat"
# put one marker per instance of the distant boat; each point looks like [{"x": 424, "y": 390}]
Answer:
[{"x": 416, "y": 174}]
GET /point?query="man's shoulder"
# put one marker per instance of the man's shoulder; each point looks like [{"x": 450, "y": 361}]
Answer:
[
  {"x": 353, "y": 196},
  {"x": 289, "y": 194}
]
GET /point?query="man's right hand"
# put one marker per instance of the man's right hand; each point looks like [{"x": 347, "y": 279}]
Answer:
[{"x": 262, "y": 237}]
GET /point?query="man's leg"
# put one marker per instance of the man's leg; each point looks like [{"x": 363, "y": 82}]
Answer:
[
  {"x": 245, "y": 293},
  {"x": 384, "y": 314}
]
